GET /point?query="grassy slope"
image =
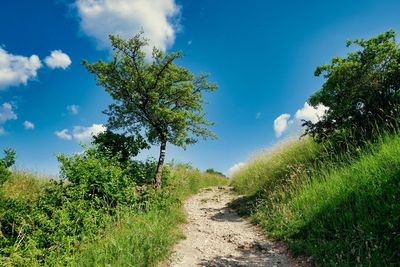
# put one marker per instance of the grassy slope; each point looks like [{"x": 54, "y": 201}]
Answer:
[
  {"x": 342, "y": 210},
  {"x": 141, "y": 239},
  {"x": 148, "y": 238}
]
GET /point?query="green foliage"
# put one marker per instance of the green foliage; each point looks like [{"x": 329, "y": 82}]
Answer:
[
  {"x": 212, "y": 171},
  {"x": 362, "y": 92},
  {"x": 111, "y": 144},
  {"x": 147, "y": 238},
  {"x": 340, "y": 209},
  {"x": 76, "y": 220},
  {"x": 6, "y": 162},
  {"x": 98, "y": 177},
  {"x": 159, "y": 97}
]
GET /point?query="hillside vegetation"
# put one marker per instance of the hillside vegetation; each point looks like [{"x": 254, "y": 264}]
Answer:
[
  {"x": 341, "y": 210},
  {"x": 334, "y": 194},
  {"x": 97, "y": 215}
]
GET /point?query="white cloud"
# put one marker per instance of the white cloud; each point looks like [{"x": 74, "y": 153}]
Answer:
[
  {"x": 16, "y": 70},
  {"x": 73, "y": 109},
  {"x": 81, "y": 133},
  {"x": 310, "y": 113},
  {"x": 57, "y": 59},
  {"x": 307, "y": 112},
  {"x": 281, "y": 124},
  {"x": 29, "y": 125},
  {"x": 85, "y": 134},
  {"x": 99, "y": 18},
  {"x": 63, "y": 134},
  {"x": 235, "y": 168},
  {"x": 7, "y": 113}
]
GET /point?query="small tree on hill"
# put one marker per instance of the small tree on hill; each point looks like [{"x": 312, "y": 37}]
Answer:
[
  {"x": 361, "y": 90},
  {"x": 157, "y": 99}
]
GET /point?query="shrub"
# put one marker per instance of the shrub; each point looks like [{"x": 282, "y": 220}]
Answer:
[
  {"x": 7, "y": 161},
  {"x": 362, "y": 92}
]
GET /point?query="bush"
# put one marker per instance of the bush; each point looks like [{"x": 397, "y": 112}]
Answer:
[
  {"x": 362, "y": 92},
  {"x": 6, "y": 162}
]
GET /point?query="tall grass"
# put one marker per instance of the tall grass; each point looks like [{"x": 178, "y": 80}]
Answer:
[
  {"x": 147, "y": 238},
  {"x": 141, "y": 235},
  {"x": 24, "y": 185},
  {"x": 343, "y": 210}
]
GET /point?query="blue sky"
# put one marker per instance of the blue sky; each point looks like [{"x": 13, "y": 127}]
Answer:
[{"x": 261, "y": 53}]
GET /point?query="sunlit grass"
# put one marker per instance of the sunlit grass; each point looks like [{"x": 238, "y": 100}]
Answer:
[
  {"x": 24, "y": 185},
  {"x": 342, "y": 209}
]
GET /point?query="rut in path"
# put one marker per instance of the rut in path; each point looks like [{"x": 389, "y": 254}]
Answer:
[{"x": 217, "y": 236}]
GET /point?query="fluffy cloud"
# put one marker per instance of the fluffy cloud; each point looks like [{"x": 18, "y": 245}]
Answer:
[
  {"x": 235, "y": 168},
  {"x": 81, "y": 133},
  {"x": 307, "y": 112},
  {"x": 16, "y": 70},
  {"x": 7, "y": 113},
  {"x": 281, "y": 124},
  {"x": 73, "y": 109},
  {"x": 85, "y": 134},
  {"x": 63, "y": 134},
  {"x": 29, "y": 125},
  {"x": 57, "y": 59},
  {"x": 99, "y": 18},
  {"x": 310, "y": 113}
]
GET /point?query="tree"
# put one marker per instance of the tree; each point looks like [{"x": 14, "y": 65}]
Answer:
[
  {"x": 362, "y": 91},
  {"x": 156, "y": 99},
  {"x": 111, "y": 144}
]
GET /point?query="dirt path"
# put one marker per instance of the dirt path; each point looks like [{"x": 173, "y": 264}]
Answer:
[{"x": 217, "y": 236}]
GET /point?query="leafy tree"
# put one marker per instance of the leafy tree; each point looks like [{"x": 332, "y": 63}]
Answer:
[
  {"x": 157, "y": 99},
  {"x": 111, "y": 144},
  {"x": 361, "y": 90}
]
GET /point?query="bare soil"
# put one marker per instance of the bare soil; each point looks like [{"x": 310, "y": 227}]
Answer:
[{"x": 217, "y": 236}]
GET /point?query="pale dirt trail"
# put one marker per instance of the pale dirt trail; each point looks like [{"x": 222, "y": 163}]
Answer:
[{"x": 217, "y": 236}]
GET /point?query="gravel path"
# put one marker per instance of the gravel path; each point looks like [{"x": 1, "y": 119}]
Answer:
[{"x": 217, "y": 236}]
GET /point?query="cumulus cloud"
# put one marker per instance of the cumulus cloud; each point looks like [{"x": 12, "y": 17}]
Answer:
[
  {"x": 99, "y": 18},
  {"x": 235, "y": 168},
  {"x": 310, "y": 113},
  {"x": 63, "y": 134},
  {"x": 73, "y": 109},
  {"x": 307, "y": 112},
  {"x": 29, "y": 125},
  {"x": 81, "y": 133},
  {"x": 85, "y": 134},
  {"x": 16, "y": 69},
  {"x": 281, "y": 124},
  {"x": 7, "y": 113},
  {"x": 57, "y": 59}
]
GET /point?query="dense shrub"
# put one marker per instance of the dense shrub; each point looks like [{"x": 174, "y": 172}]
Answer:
[
  {"x": 362, "y": 92},
  {"x": 93, "y": 190},
  {"x": 7, "y": 161},
  {"x": 97, "y": 193}
]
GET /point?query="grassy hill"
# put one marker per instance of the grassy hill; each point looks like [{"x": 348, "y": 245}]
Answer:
[{"x": 341, "y": 208}]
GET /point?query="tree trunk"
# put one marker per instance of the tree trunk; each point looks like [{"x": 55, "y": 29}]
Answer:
[{"x": 160, "y": 165}]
